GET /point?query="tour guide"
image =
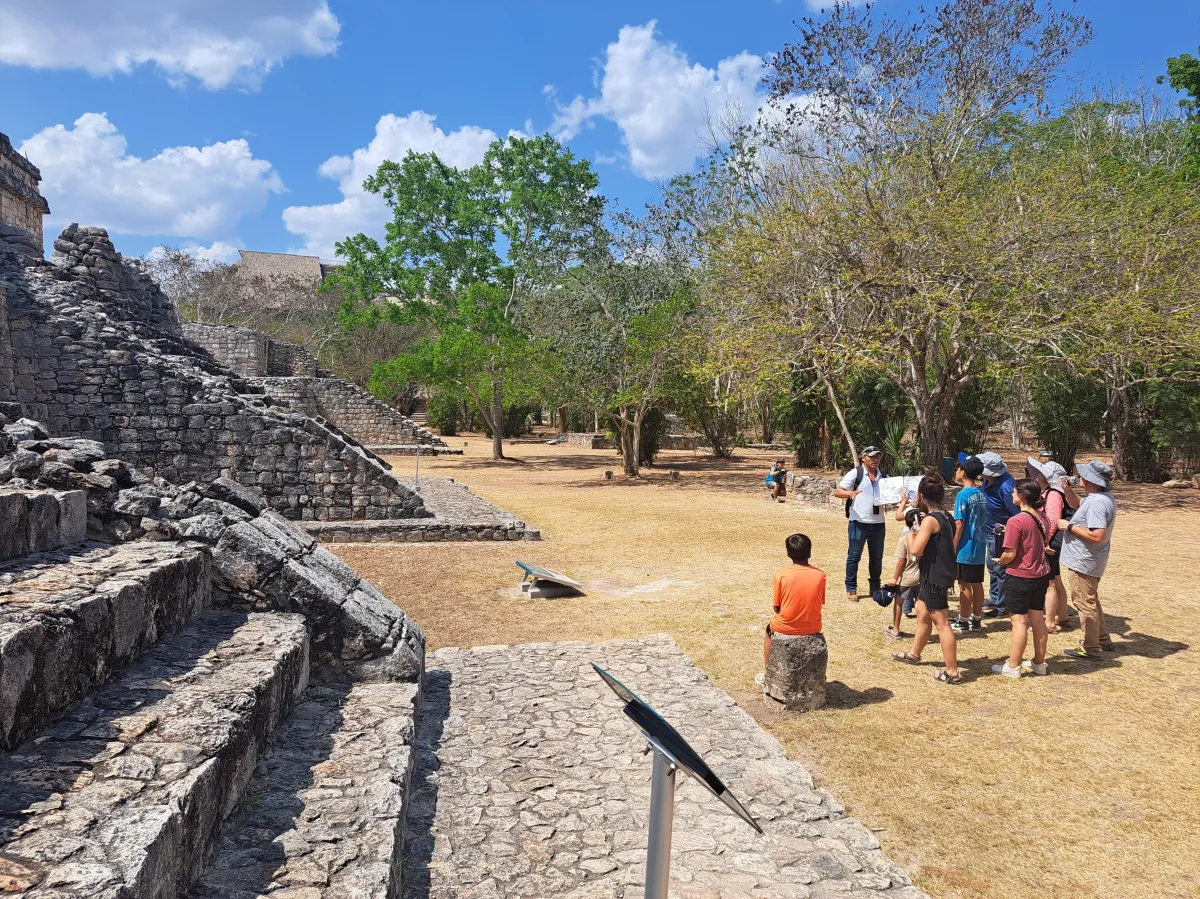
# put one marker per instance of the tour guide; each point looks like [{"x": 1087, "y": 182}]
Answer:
[{"x": 861, "y": 487}]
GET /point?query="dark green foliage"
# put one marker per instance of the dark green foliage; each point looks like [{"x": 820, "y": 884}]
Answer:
[
  {"x": 1066, "y": 411},
  {"x": 873, "y": 402},
  {"x": 654, "y": 429},
  {"x": 443, "y": 410},
  {"x": 979, "y": 409}
]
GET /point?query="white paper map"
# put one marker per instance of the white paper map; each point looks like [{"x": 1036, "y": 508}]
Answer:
[{"x": 891, "y": 489}]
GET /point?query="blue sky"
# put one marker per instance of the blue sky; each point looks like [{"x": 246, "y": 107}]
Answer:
[{"x": 218, "y": 124}]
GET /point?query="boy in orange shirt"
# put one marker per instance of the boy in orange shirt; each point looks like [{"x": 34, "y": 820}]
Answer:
[{"x": 799, "y": 594}]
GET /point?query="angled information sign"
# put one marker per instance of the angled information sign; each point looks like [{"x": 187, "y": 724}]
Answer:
[{"x": 671, "y": 753}]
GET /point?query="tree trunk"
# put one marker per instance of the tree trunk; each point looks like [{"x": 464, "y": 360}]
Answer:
[
  {"x": 933, "y": 421},
  {"x": 837, "y": 408},
  {"x": 764, "y": 413},
  {"x": 1120, "y": 425},
  {"x": 562, "y": 419},
  {"x": 629, "y": 444},
  {"x": 497, "y": 419}
]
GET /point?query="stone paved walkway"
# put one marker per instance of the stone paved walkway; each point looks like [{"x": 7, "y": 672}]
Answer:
[{"x": 539, "y": 787}]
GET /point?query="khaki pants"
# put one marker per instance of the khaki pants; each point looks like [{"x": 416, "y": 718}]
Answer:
[{"x": 1084, "y": 592}]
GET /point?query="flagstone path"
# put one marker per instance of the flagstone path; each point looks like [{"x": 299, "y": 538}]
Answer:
[{"x": 530, "y": 782}]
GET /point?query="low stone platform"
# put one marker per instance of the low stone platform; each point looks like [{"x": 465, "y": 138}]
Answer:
[
  {"x": 411, "y": 449},
  {"x": 530, "y": 782},
  {"x": 458, "y": 515}
]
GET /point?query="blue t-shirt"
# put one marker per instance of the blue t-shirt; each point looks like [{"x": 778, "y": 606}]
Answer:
[
  {"x": 1000, "y": 506},
  {"x": 970, "y": 507}
]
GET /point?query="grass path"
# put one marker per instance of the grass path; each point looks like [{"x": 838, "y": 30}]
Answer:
[{"x": 1084, "y": 783}]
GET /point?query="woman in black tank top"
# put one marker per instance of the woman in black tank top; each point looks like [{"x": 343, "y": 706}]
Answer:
[
  {"x": 933, "y": 544},
  {"x": 938, "y": 562}
]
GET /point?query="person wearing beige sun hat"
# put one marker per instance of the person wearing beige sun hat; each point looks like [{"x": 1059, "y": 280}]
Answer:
[{"x": 1087, "y": 539}]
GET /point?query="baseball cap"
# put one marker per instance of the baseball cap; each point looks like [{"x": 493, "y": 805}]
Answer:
[
  {"x": 972, "y": 467},
  {"x": 884, "y": 596},
  {"x": 993, "y": 465},
  {"x": 1097, "y": 472},
  {"x": 871, "y": 451}
]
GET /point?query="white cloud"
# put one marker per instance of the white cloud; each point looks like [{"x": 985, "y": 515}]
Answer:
[
  {"x": 88, "y": 176},
  {"x": 219, "y": 251},
  {"x": 358, "y": 211},
  {"x": 217, "y": 42},
  {"x": 660, "y": 100}
]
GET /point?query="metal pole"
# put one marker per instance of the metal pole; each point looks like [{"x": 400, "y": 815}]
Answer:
[
  {"x": 662, "y": 814},
  {"x": 417, "y": 479}
]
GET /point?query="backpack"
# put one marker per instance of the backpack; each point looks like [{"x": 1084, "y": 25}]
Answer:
[
  {"x": 1056, "y": 541},
  {"x": 859, "y": 473}
]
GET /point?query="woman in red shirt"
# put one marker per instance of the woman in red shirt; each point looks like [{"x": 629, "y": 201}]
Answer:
[{"x": 1027, "y": 575}]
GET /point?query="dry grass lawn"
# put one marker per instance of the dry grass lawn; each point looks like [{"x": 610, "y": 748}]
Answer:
[{"x": 1084, "y": 783}]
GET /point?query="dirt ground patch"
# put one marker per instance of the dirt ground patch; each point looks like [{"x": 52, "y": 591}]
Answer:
[{"x": 1083, "y": 783}]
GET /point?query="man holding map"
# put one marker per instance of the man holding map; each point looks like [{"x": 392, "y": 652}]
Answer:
[{"x": 864, "y": 507}]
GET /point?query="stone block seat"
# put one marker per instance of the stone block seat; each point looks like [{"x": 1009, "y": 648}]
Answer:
[{"x": 795, "y": 673}]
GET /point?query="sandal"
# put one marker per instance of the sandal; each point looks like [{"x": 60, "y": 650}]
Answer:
[
  {"x": 905, "y": 657},
  {"x": 893, "y": 633},
  {"x": 945, "y": 677}
]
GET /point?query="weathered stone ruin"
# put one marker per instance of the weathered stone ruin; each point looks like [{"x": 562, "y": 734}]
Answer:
[
  {"x": 166, "y": 651},
  {"x": 21, "y": 204},
  {"x": 292, "y": 375}
]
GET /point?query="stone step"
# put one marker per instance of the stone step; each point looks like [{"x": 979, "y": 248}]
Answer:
[
  {"x": 70, "y": 619},
  {"x": 324, "y": 815},
  {"x": 120, "y": 798},
  {"x": 34, "y": 521}
]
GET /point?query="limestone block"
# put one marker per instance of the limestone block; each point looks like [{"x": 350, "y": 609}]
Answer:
[
  {"x": 796, "y": 671},
  {"x": 42, "y": 529},
  {"x": 14, "y": 541}
]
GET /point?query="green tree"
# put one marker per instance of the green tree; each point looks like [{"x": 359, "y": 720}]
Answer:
[
  {"x": 617, "y": 330},
  {"x": 470, "y": 253}
]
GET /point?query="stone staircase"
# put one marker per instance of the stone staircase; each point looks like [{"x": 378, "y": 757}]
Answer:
[{"x": 157, "y": 745}]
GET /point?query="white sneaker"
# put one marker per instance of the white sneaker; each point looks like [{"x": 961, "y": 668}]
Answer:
[
  {"x": 1005, "y": 671},
  {"x": 1040, "y": 669}
]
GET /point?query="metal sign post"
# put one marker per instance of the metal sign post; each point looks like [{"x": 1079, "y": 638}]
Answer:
[
  {"x": 671, "y": 753},
  {"x": 662, "y": 818}
]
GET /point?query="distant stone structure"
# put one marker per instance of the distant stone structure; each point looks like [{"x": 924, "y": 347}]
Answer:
[
  {"x": 308, "y": 270},
  {"x": 21, "y": 204},
  {"x": 291, "y": 375}
]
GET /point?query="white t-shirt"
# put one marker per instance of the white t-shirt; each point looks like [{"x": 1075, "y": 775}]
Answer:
[{"x": 863, "y": 504}]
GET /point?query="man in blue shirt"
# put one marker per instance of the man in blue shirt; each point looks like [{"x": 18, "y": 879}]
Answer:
[{"x": 997, "y": 489}]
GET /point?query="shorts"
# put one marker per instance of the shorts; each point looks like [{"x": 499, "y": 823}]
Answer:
[
  {"x": 934, "y": 596},
  {"x": 1055, "y": 565},
  {"x": 970, "y": 574},
  {"x": 908, "y": 594},
  {"x": 1023, "y": 595}
]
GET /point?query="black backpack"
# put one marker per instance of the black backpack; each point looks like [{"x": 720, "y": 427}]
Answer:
[{"x": 859, "y": 474}]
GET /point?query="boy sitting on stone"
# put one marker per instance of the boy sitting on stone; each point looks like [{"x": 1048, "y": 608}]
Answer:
[{"x": 799, "y": 594}]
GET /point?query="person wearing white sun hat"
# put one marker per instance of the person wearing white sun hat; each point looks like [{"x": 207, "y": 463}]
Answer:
[{"x": 1087, "y": 539}]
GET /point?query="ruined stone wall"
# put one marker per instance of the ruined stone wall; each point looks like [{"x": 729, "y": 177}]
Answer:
[
  {"x": 352, "y": 409},
  {"x": 251, "y": 353},
  {"x": 98, "y": 346},
  {"x": 286, "y": 360},
  {"x": 21, "y": 204},
  {"x": 239, "y": 349},
  {"x": 6, "y": 357}
]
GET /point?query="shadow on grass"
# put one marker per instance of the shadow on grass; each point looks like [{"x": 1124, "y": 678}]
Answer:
[{"x": 840, "y": 696}]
